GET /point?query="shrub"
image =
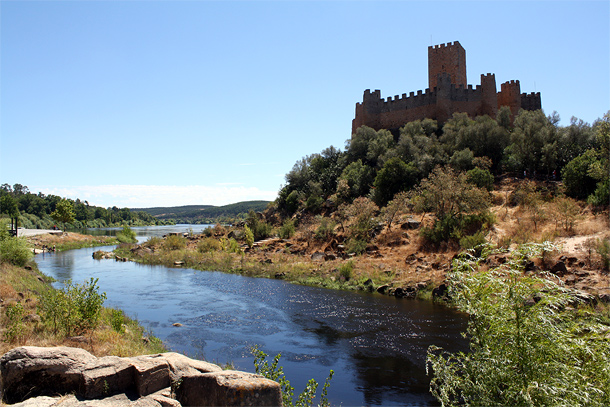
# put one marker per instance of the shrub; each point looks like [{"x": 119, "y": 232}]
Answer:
[
  {"x": 73, "y": 309},
  {"x": 15, "y": 250},
  {"x": 346, "y": 270},
  {"x": 117, "y": 320},
  {"x": 209, "y": 244},
  {"x": 127, "y": 235},
  {"x": 174, "y": 242},
  {"x": 249, "y": 236},
  {"x": 261, "y": 229},
  {"x": 472, "y": 241},
  {"x": 153, "y": 241},
  {"x": 528, "y": 344},
  {"x": 276, "y": 373},
  {"x": 287, "y": 230},
  {"x": 480, "y": 178},
  {"x": 14, "y": 324},
  {"x": 603, "y": 249},
  {"x": 230, "y": 245},
  {"x": 325, "y": 229},
  {"x": 355, "y": 245}
]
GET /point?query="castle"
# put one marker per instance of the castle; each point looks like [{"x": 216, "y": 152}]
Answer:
[{"x": 448, "y": 93}]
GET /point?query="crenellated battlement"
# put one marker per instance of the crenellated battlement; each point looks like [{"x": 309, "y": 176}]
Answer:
[{"x": 447, "y": 92}]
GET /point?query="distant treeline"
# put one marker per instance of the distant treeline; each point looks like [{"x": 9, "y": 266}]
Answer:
[
  {"x": 201, "y": 214},
  {"x": 34, "y": 211}
]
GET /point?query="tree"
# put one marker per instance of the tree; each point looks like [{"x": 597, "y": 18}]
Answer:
[
  {"x": 530, "y": 344},
  {"x": 395, "y": 207},
  {"x": 64, "y": 213},
  {"x": 447, "y": 193},
  {"x": 395, "y": 176},
  {"x": 8, "y": 205}
]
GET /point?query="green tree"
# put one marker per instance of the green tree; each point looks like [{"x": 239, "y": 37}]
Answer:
[
  {"x": 532, "y": 132},
  {"x": 359, "y": 178},
  {"x": 529, "y": 345},
  {"x": 394, "y": 177},
  {"x": 63, "y": 213},
  {"x": 8, "y": 205},
  {"x": 576, "y": 176}
]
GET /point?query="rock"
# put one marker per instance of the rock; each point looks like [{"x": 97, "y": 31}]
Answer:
[
  {"x": 177, "y": 324},
  {"x": 329, "y": 256},
  {"x": 31, "y": 371},
  {"x": 399, "y": 292},
  {"x": 280, "y": 275},
  {"x": 107, "y": 376},
  {"x": 383, "y": 289},
  {"x": 410, "y": 224},
  {"x": 440, "y": 291},
  {"x": 151, "y": 373},
  {"x": 31, "y": 318},
  {"x": 181, "y": 366},
  {"x": 559, "y": 269},
  {"x": 178, "y": 263},
  {"x": 318, "y": 256},
  {"x": 605, "y": 298},
  {"x": 228, "y": 388}
]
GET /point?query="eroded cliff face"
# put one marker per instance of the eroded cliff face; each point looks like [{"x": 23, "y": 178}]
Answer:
[{"x": 38, "y": 376}]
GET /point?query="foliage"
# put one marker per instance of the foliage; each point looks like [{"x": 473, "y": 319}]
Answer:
[
  {"x": 446, "y": 192},
  {"x": 230, "y": 245},
  {"x": 249, "y": 236},
  {"x": 361, "y": 214},
  {"x": 356, "y": 245},
  {"x": 578, "y": 182},
  {"x": 260, "y": 228},
  {"x": 528, "y": 346},
  {"x": 117, "y": 320},
  {"x": 287, "y": 230},
  {"x": 127, "y": 235},
  {"x": 395, "y": 207},
  {"x": 603, "y": 249},
  {"x": 14, "y": 325},
  {"x": 346, "y": 270},
  {"x": 64, "y": 212},
  {"x": 466, "y": 229},
  {"x": 73, "y": 309},
  {"x": 325, "y": 229},
  {"x": 394, "y": 177},
  {"x": 174, "y": 242},
  {"x": 209, "y": 244},
  {"x": 480, "y": 178},
  {"x": 15, "y": 250},
  {"x": 567, "y": 212},
  {"x": 276, "y": 373}
]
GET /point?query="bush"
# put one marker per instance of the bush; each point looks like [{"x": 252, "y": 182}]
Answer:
[
  {"x": 530, "y": 344},
  {"x": 287, "y": 230},
  {"x": 174, "y": 242},
  {"x": 355, "y": 245},
  {"x": 249, "y": 236},
  {"x": 325, "y": 229},
  {"x": 260, "y": 229},
  {"x": 230, "y": 245},
  {"x": 209, "y": 244},
  {"x": 126, "y": 235},
  {"x": 276, "y": 373},
  {"x": 346, "y": 270},
  {"x": 14, "y": 324},
  {"x": 603, "y": 249},
  {"x": 454, "y": 228},
  {"x": 15, "y": 250},
  {"x": 117, "y": 320},
  {"x": 73, "y": 309},
  {"x": 480, "y": 178}
]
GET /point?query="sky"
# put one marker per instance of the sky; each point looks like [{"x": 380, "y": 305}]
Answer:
[{"x": 165, "y": 103}]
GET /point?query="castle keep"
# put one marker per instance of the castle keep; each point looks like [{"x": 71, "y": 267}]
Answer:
[{"x": 447, "y": 93}]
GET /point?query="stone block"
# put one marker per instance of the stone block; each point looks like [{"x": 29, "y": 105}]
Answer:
[{"x": 228, "y": 388}]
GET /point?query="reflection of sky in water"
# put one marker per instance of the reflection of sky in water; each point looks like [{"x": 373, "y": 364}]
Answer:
[{"x": 375, "y": 344}]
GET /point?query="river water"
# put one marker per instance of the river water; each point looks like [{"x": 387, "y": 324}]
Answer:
[{"x": 375, "y": 344}]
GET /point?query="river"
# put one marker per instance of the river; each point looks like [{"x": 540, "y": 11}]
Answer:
[{"x": 375, "y": 344}]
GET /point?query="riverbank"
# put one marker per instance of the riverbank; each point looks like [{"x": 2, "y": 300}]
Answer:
[
  {"x": 22, "y": 324},
  {"x": 54, "y": 240}
]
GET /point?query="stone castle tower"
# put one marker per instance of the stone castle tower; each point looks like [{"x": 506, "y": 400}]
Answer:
[{"x": 447, "y": 93}]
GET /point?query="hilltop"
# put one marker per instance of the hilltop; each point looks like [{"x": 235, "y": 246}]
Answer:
[{"x": 204, "y": 213}]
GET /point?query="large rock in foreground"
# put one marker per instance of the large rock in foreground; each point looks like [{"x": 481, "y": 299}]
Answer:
[{"x": 36, "y": 376}]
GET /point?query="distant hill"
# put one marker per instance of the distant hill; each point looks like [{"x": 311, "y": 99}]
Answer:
[{"x": 204, "y": 213}]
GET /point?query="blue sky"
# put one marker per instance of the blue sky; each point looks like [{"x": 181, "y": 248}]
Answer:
[{"x": 153, "y": 103}]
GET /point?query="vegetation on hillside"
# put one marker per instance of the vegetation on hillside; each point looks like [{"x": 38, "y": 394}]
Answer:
[{"x": 206, "y": 214}]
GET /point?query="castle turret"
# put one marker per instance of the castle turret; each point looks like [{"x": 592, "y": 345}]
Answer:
[
  {"x": 510, "y": 95},
  {"x": 447, "y": 58}
]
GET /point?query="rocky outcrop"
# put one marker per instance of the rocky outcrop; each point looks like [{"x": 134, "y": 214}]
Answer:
[{"x": 35, "y": 376}]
